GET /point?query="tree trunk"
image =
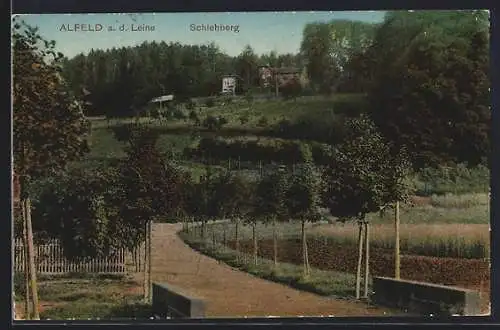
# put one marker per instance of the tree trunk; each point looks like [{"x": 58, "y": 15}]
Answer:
[
  {"x": 397, "y": 256},
  {"x": 138, "y": 257},
  {"x": 224, "y": 239},
  {"x": 203, "y": 229},
  {"x": 367, "y": 257},
  {"x": 275, "y": 244},
  {"x": 254, "y": 236},
  {"x": 32, "y": 268},
  {"x": 304, "y": 249},
  {"x": 308, "y": 267},
  {"x": 360, "y": 257},
  {"x": 150, "y": 242},
  {"x": 236, "y": 240},
  {"x": 146, "y": 293},
  {"x": 27, "y": 309}
]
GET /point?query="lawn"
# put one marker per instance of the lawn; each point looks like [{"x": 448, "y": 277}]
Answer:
[{"x": 91, "y": 296}]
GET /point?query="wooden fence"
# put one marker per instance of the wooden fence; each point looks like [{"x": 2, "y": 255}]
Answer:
[{"x": 50, "y": 259}]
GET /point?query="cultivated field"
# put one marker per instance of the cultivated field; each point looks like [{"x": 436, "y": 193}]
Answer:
[{"x": 451, "y": 250}]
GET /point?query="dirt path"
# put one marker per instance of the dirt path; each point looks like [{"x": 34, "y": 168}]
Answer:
[{"x": 232, "y": 293}]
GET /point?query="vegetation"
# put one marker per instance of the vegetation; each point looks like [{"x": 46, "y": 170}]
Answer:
[
  {"x": 415, "y": 119},
  {"x": 333, "y": 284},
  {"x": 49, "y": 125},
  {"x": 89, "y": 297}
]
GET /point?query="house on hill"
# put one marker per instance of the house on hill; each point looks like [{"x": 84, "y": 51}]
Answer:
[{"x": 268, "y": 75}]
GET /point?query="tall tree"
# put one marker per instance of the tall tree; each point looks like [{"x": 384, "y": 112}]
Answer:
[
  {"x": 246, "y": 66},
  {"x": 151, "y": 187},
  {"x": 49, "y": 128},
  {"x": 328, "y": 47},
  {"x": 431, "y": 85}
]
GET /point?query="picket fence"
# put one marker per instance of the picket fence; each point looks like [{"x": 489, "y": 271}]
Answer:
[{"x": 50, "y": 259}]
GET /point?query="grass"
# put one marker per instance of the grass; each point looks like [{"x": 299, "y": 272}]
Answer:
[
  {"x": 440, "y": 240},
  {"x": 446, "y": 226},
  {"x": 327, "y": 283},
  {"x": 87, "y": 296},
  {"x": 462, "y": 201}
]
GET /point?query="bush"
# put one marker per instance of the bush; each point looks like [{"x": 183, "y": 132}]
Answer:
[
  {"x": 463, "y": 201},
  {"x": 292, "y": 89},
  {"x": 263, "y": 122},
  {"x": 249, "y": 97},
  {"x": 221, "y": 121},
  {"x": 77, "y": 210},
  {"x": 178, "y": 114},
  {"x": 190, "y": 105},
  {"x": 210, "y": 102},
  {"x": 251, "y": 150},
  {"x": 156, "y": 113},
  {"x": 210, "y": 123},
  {"x": 227, "y": 100},
  {"x": 245, "y": 118},
  {"x": 328, "y": 129},
  {"x": 457, "y": 179}
]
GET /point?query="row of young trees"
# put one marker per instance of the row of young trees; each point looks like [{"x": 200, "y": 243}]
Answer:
[{"x": 364, "y": 175}]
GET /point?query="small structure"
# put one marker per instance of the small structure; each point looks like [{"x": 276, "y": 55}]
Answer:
[
  {"x": 266, "y": 76},
  {"x": 281, "y": 76},
  {"x": 285, "y": 75},
  {"x": 161, "y": 99},
  {"x": 229, "y": 85}
]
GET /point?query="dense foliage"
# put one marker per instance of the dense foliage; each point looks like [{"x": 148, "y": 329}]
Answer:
[
  {"x": 120, "y": 82},
  {"x": 430, "y": 88}
]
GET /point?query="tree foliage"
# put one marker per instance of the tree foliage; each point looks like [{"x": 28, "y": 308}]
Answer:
[
  {"x": 49, "y": 128},
  {"x": 365, "y": 173},
  {"x": 431, "y": 85}
]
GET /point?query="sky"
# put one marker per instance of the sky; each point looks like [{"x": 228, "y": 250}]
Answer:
[{"x": 264, "y": 31}]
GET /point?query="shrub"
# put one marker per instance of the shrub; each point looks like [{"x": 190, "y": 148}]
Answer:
[
  {"x": 190, "y": 105},
  {"x": 292, "y": 89},
  {"x": 249, "y": 97},
  {"x": 463, "y": 201},
  {"x": 211, "y": 123},
  {"x": 210, "y": 102},
  {"x": 263, "y": 122},
  {"x": 457, "y": 179}
]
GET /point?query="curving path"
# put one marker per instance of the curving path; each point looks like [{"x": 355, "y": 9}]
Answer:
[{"x": 232, "y": 293}]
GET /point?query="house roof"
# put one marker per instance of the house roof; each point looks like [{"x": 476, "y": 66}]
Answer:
[{"x": 162, "y": 98}]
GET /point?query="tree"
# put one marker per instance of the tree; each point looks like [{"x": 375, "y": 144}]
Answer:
[
  {"x": 431, "y": 85},
  {"x": 151, "y": 186},
  {"x": 304, "y": 198},
  {"x": 328, "y": 48},
  {"x": 363, "y": 177},
  {"x": 238, "y": 201},
  {"x": 80, "y": 210},
  {"x": 246, "y": 66},
  {"x": 271, "y": 194},
  {"x": 49, "y": 128}
]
